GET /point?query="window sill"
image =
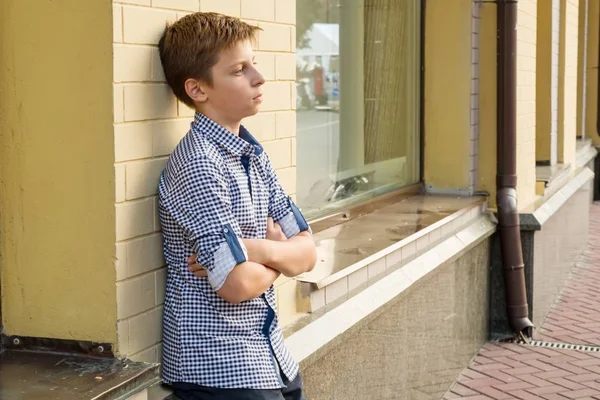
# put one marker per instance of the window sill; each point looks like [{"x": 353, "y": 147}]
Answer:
[
  {"x": 549, "y": 178},
  {"x": 562, "y": 187},
  {"x": 586, "y": 152},
  {"x": 315, "y": 334},
  {"x": 360, "y": 251}
]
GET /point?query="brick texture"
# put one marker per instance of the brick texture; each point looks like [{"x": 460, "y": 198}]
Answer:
[
  {"x": 511, "y": 371},
  {"x": 568, "y": 130},
  {"x": 149, "y": 122},
  {"x": 526, "y": 56}
]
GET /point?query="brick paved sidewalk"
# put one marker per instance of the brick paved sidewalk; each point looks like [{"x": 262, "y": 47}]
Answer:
[{"x": 511, "y": 371}]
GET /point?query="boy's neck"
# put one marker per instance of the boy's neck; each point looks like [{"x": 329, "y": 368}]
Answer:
[{"x": 231, "y": 126}]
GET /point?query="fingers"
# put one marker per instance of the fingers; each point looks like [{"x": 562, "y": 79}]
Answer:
[
  {"x": 201, "y": 273},
  {"x": 274, "y": 231},
  {"x": 273, "y": 226},
  {"x": 195, "y": 267},
  {"x": 279, "y": 232}
]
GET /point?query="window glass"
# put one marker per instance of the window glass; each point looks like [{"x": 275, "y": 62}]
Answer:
[{"x": 357, "y": 100}]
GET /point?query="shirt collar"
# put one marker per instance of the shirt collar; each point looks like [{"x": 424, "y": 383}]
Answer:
[{"x": 244, "y": 144}]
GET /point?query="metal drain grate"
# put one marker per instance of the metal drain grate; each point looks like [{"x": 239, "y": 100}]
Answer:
[{"x": 565, "y": 346}]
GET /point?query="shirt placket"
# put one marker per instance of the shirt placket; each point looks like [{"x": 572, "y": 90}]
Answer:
[
  {"x": 269, "y": 300},
  {"x": 248, "y": 161},
  {"x": 267, "y": 326}
]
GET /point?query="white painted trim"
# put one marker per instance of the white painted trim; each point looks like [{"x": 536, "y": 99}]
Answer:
[
  {"x": 558, "y": 199},
  {"x": 321, "y": 282},
  {"x": 583, "y": 158}
]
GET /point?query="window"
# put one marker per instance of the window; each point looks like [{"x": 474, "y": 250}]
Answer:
[{"x": 357, "y": 100}]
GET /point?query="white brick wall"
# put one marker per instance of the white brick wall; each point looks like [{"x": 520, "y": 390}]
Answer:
[
  {"x": 229, "y": 7},
  {"x": 149, "y": 122},
  {"x": 571, "y": 35},
  {"x": 526, "y": 56}
]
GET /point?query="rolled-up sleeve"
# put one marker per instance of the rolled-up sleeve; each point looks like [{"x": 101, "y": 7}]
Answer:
[
  {"x": 282, "y": 208},
  {"x": 200, "y": 203}
]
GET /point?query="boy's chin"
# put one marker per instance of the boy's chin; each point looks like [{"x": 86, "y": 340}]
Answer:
[{"x": 252, "y": 112}]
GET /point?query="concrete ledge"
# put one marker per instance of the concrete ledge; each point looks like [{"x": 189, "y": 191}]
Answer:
[
  {"x": 311, "y": 340},
  {"x": 322, "y": 288},
  {"x": 585, "y": 156},
  {"x": 554, "y": 203},
  {"x": 154, "y": 392},
  {"x": 547, "y": 207},
  {"x": 52, "y": 375},
  {"x": 450, "y": 223}
]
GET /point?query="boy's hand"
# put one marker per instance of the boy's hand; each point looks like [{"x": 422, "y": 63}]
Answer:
[
  {"x": 274, "y": 231},
  {"x": 196, "y": 268}
]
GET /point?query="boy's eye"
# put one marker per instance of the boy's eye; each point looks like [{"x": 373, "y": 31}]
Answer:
[{"x": 242, "y": 69}]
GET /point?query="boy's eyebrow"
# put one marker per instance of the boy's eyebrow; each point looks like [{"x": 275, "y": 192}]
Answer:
[{"x": 241, "y": 61}]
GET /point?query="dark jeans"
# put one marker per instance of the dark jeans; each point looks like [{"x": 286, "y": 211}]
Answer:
[{"x": 189, "y": 391}]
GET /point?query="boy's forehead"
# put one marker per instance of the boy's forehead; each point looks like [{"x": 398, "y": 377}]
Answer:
[{"x": 240, "y": 50}]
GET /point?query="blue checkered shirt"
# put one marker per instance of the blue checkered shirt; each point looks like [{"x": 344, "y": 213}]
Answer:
[{"x": 216, "y": 189}]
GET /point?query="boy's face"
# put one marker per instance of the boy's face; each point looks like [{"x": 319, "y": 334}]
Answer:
[{"x": 236, "y": 90}]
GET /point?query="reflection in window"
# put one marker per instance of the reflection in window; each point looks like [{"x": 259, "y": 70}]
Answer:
[{"x": 357, "y": 100}]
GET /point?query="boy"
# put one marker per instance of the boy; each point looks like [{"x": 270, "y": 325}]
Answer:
[{"x": 221, "y": 201}]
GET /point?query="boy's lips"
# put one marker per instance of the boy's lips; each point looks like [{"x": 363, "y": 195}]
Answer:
[{"x": 259, "y": 97}]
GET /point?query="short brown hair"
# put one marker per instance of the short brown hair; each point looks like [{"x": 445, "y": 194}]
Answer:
[{"x": 190, "y": 47}]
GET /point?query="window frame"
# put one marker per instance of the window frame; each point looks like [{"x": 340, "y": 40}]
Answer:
[{"x": 359, "y": 209}]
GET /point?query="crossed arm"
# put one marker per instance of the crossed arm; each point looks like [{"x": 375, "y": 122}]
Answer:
[
  {"x": 267, "y": 259},
  {"x": 201, "y": 203}
]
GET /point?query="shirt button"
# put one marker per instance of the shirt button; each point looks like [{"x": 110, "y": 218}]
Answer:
[{"x": 226, "y": 230}]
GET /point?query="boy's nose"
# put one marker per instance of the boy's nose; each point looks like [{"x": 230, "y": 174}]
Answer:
[{"x": 259, "y": 79}]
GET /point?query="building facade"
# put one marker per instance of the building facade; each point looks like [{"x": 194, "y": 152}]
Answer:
[{"x": 380, "y": 117}]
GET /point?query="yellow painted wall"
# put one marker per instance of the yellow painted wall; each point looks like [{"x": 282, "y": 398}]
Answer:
[
  {"x": 543, "y": 76},
  {"x": 487, "y": 103},
  {"x": 447, "y": 93},
  {"x": 591, "y": 115},
  {"x": 57, "y": 188},
  {"x": 581, "y": 38}
]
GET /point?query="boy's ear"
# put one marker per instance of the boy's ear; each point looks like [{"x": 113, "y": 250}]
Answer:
[{"x": 195, "y": 90}]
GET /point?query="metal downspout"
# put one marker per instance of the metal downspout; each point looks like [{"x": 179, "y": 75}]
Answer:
[{"x": 506, "y": 178}]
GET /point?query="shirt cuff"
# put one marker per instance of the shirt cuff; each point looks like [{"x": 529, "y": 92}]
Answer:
[
  {"x": 293, "y": 222},
  {"x": 229, "y": 254}
]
